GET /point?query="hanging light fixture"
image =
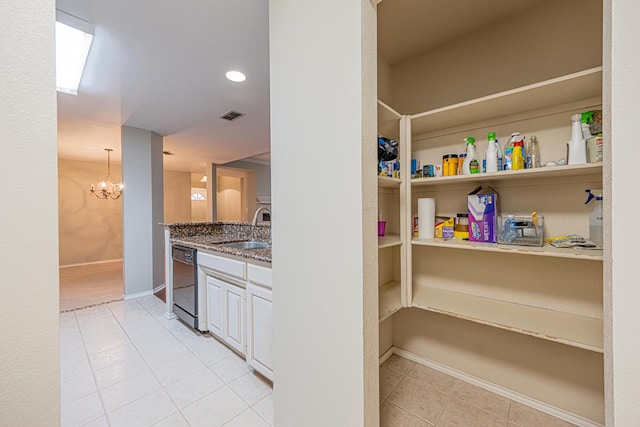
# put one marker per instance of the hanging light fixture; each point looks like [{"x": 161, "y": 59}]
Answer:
[{"x": 107, "y": 189}]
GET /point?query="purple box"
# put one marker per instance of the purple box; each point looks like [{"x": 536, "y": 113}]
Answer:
[{"x": 483, "y": 214}]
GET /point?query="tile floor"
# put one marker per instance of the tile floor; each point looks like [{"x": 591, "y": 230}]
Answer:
[
  {"x": 413, "y": 395},
  {"x": 87, "y": 285},
  {"x": 125, "y": 364}
]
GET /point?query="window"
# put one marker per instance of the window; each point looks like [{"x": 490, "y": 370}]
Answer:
[{"x": 197, "y": 196}]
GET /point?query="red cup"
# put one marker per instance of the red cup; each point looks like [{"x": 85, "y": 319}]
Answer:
[{"x": 382, "y": 225}]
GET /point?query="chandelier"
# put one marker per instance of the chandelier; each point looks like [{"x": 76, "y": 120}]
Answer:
[{"x": 107, "y": 189}]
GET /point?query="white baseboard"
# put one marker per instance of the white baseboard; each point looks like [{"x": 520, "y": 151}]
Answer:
[
  {"x": 138, "y": 295},
  {"x": 159, "y": 288},
  {"x": 509, "y": 394},
  {"x": 82, "y": 264}
]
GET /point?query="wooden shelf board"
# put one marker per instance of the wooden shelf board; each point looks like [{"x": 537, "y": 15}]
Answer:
[
  {"x": 389, "y": 300},
  {"x": 566, "y": 328},
  {"x": 388, "y": 182},
  {"x": 546, "y": 250},
  {"x": 389, "y": 240},
  {"x": 388, "y": 121},
  {"x": 524, "y": 174},
  {"x": 572, "y": 87}
]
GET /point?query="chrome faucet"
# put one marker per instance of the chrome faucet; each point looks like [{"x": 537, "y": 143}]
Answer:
[{"x": 255, "y": 216}]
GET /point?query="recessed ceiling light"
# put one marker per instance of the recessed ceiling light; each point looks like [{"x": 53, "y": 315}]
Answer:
[
  {"x": 73, "y": 40},
  {"x": 236, "y": 76}
]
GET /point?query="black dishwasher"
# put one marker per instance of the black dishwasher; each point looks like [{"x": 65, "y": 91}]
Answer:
[{"x": 185, "y": 285}]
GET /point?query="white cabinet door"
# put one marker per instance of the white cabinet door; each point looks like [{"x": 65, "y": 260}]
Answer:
[
  {"x": 216, "y": 305},
  {"x": 259, "y": 329},
  {"x": 235, "y": 336}
]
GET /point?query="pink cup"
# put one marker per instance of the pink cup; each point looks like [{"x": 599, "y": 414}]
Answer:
[{"x": 382, "y": 225}]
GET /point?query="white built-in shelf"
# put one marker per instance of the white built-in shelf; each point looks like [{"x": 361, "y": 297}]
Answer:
[
  {"x": 561, "y": 90},
  {"x": 389, "y": 240},
  {"x": 519, "y": 175},
  {"x": 388, "y": 182},
  {"x": 388, "y": 300},
  {"x": 388, "y": 121},
  {"x": 566, "y": 328},
  {"x": 546, "y": 250}
]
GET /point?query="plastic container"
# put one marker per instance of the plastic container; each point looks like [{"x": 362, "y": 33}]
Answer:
[
  {"x": 577, "y": 145},
  {"x": 491, "y": 162},
  {"x": 470, "y": 165},
  {"x": 382, "y": 225},
  {"x": 596, "y": 216},
  {"x": 449, "y": 164},
  {"x": 524, "y": 230},
  {"x": 461, "y": 227},
  {"x": 533, "y": 153}
]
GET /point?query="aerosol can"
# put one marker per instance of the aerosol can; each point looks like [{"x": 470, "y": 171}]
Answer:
[{"x": 595, "y": 218}]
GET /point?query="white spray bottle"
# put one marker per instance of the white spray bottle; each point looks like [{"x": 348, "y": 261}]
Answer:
[
  {"x": 577, "y": 145},
  {"x": 595, "y": 218}
]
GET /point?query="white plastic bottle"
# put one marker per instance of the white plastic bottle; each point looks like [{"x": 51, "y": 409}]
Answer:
[
  {"x": 471, "y": 164},
  {"x": 577, "y": 145},
  {"x": 491, "y": 156},
  {"x": 595, "y": 218}
]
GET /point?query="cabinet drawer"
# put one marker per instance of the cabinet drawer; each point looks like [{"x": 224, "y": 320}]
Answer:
[
  {"x": 230, "y": 267},
  {"x": 259, "y": 275}
]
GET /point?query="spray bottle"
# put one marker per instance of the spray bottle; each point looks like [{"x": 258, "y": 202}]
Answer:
[
  {"x": 595, "y": 218},
  {"x": 577, "y": 145},
  {"x": 471, "y": 164}
]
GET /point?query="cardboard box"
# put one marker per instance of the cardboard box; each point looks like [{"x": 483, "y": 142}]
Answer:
[
  {"x": 483, "y": 206},
  {"x": 444, "y": 228}
]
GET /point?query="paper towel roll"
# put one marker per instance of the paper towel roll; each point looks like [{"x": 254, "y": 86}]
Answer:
[{"x": 426, "y": 218}]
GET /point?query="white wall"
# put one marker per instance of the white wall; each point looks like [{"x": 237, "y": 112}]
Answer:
[
  {"x": 29, "y": 353},
  {"x": 262, "y": 175},
  {"x": 323, "y": 68},
  {"x": 622, "y": 290}
]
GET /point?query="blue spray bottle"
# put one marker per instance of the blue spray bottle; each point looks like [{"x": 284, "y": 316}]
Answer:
[{"x": 595, "y": 218}]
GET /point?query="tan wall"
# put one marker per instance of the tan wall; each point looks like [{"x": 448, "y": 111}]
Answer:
[
  {"x": 384, "y": 81},
  {"x": 195, "y": 180},
  {"x": 550, "y": 40},
  {"x": 177, "y": 196},
  {"x": 90, "y": 229}
]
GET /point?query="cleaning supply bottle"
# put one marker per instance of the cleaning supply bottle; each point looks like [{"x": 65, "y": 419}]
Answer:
[
  {"x": 514, "y": 154},
  {"x": 471, "y": 164},
  {"x": 595, "y": 218},
  {"x": 533, "y": 153},
  {"x": 508, "y": 151},
  {"x": 577, "y": 145},
  {"x": 492, "y": 155},
  {"x": 493, "y": 140}
]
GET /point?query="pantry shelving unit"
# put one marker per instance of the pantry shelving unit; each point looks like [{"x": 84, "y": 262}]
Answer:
[
  {"x": 547, "y": 299},
  {"x": 391, "y": 246}
]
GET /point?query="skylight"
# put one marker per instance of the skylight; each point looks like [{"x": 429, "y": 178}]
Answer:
[{"x": 73, "y": 40}]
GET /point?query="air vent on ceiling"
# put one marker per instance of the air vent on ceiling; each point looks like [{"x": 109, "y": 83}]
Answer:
[
  {"x": 168, "y": 153},
  {"x": 231, "y": 115}
]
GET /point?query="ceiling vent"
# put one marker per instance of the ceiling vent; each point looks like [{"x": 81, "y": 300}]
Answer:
[{"x": 231, "y": 115}]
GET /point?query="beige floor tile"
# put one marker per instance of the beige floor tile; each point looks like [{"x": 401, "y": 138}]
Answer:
[
  {"x": 392, "y": 415},
  {"x": 462, "y": 414},
  {"x": 215, "y": 409},
  {"x": 525, "y": 416},
  {"x": 264, "y": 408},
  {"x": 193, "y": 387},
  {"x": 389, "y": 379},
  {"x": 252, "y": 387},
  {"x": 481, "y": 398},
  {"x": 419, "y": 399},
  {"x": 398, "y": 364},
  {"x": 248, "y": 418},
  {"x": 146, "y": 411},
  {"x": 432, "y": 378}
]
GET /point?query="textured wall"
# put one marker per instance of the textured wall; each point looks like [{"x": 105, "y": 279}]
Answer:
[{"x": 29, "y": 354}]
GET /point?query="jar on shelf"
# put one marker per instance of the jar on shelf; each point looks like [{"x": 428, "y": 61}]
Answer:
[{"x": 461, "y": 227}]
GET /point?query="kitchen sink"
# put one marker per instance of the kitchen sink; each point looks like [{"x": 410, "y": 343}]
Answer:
[{"x": 247, "y": 245}]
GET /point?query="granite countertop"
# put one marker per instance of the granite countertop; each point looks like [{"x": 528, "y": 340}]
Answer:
[{"x": 210, "y": 237}]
